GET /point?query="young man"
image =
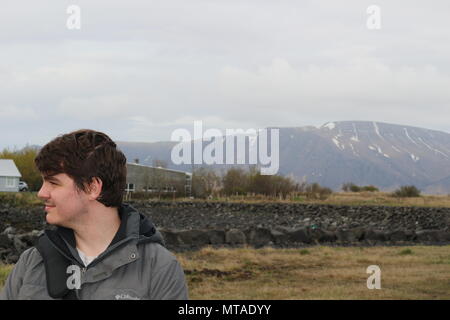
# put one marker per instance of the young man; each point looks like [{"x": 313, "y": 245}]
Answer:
[{"x": 100, "y": 248}]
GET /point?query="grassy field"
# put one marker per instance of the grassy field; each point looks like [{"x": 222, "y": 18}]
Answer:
[
  {"x": 415, "y": 272},
  {"x": 355, "y": 199},
  {"x": 341, "y": 198},
  {"x": 19, "y": 199},
  {"x": 385, "y": 199}
]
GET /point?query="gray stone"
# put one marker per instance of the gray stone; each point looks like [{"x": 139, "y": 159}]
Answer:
[
  {"x": 194, "y": 237},
  {"x": 9, "y": 230},
  {"x": 170, "y": 237},
  {"x": 433, "y": 235},
  {"x": 401, "y": 235},
  {"x": 234, "y": 236},
  {"x": 5, "y": 242},
  {"x": 279, "y": 237},
  {"x": 351, "y": 235},
  {"x": 259, "y": 237},
  {"x": 322, "y": 236},
  {"x": 19, "y": 245},
  {"x": 375, "y": 235},
  {"x": 300, "y": 235},
  {"x": 30, "y": 238},
  {"x": 216, "y": 236}
]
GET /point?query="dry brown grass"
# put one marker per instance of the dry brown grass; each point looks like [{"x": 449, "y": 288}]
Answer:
[
  {"x": 416, "y": 272},
  {"x": 382, "y": 198},
  {"x": 348, "y": 198},
  {"x": 422, "y": 272}
]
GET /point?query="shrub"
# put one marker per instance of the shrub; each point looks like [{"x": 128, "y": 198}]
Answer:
[
  {"x": 405, "y": 252},
  {"x": 370, "y": 188},
  {"x": 406, "y": 192},
  {"x": 240, "y": 182},
  {"x": 355, "y": 188},
  {"x": 205, "y": 183},
  {"x": 20, "y": 199},
  {"x": 235, "y": 181},
  {"x": 346, "y": 186},
  {"x": 349, "y": 186},
  {"x": 316, "y": 191}
]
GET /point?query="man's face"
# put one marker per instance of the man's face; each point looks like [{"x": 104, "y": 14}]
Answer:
[{"x": 63, "y": 203}]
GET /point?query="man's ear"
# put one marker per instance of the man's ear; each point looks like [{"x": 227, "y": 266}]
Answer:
[{"x": 95, "y": 188}]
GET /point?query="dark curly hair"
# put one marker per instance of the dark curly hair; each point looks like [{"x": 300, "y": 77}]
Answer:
[{"x": 83, "y": 155}]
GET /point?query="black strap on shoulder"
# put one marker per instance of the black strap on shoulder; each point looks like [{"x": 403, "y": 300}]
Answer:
[{"x": 55, "y": 270}]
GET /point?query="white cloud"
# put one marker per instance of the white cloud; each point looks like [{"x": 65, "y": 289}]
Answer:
[
  {"x": 95, "y": 107},
  {"x": 14, "y": 113},
  {"x": 365, "y": 88},
  {"x": 141, "y": 69}
]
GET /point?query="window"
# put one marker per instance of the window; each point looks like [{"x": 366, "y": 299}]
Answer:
[
  {"x": 10, "y": 182},
  {"x": 130, "y": 187}
]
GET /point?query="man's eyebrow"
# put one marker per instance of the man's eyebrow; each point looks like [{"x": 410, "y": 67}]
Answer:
[{"x": 51, "y": 178}]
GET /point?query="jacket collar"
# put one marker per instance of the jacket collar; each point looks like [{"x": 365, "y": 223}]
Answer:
[
  {"x": 133, "y": 225},
  {"x": 58, "y": 250}
]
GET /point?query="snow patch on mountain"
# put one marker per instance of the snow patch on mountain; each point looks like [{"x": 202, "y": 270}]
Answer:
[
  {"x": 353, "y": 149},
  {"x": 337, "y": 143},
  {"x": 433, "y": 149},
  {"x": 414, "y": 157},
  {"x": 406, "y": 132},
  {"x": 377, "y": 130},
  {"x": 378, "y": 149},
  {"x": 330, "y": 125},
  {"x": 396, "y": 149}
]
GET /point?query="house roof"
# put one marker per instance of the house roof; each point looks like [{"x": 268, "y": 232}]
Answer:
[
  {"x": 8, "y": 168},
  {"x": 159, "y": 168}
]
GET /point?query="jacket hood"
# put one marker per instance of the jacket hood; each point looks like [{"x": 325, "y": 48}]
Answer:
[
  {"x": 136, "y": 225},
  {"x": 147, "y": 230}
]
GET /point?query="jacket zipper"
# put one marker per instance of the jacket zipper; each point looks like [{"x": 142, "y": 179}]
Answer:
[
  {"x": 83, "y": 269},
  {"x": 109, "y": 250},
  {"x": 77, "y": 291},
  {"x": 74, "y": 262}
]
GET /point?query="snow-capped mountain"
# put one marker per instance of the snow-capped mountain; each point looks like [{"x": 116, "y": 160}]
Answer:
[
  {"x": 362, "y": 152},
  {"x": 385, "y": 155}
]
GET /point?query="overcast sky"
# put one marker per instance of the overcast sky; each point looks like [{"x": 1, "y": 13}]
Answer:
[{"x": 137, "y": 69}]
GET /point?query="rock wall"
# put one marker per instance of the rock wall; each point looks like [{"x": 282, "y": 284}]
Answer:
[
  {"x": 194, "y": 224},
  {"x": 190, "y": 225}
]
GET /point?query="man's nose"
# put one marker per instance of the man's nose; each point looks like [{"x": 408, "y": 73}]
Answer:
[{"x": 43, "y": 192}]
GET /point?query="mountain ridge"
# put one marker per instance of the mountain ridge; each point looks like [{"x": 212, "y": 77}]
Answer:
[{"x": 363, "y": 152}]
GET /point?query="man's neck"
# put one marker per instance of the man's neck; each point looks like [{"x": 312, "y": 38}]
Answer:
[{"x": 95, "y": 233}]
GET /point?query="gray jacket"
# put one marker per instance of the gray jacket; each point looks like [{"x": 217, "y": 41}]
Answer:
[{"x": 134, "y": 266}]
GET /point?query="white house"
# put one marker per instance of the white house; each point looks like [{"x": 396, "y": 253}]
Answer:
[{"x": 9, "y": 176}]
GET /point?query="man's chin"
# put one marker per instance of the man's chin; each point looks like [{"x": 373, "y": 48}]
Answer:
[
  {"x": 55, "y": 222},
  {"x": 51, "y": 220}
]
